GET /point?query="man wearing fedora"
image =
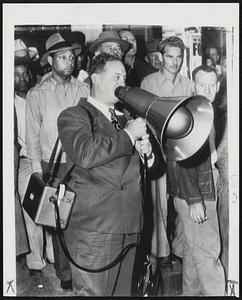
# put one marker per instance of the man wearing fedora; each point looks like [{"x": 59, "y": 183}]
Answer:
[
  {"x": 22, "y": 84},
  {"x": 82, "y": 58},
  {"x": 45, "y": 102},
  {"x": 111, "y": 43},
  {"x": 153, "y": 56},
  {"x": 25, "y": 237}
]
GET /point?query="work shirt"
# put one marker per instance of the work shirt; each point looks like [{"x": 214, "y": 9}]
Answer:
[
  {"x": 44, "y": 104},
  {"x": 158, "y": 84},
  {"x": 20, "y": 105}
]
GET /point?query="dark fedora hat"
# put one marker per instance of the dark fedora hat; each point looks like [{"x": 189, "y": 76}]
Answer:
[
  {"x": 75, "y": 37},
  {"x": 57, "y": 43},
  {"x": 110, "y": 36},
  {"x": 152, "y": 46}
]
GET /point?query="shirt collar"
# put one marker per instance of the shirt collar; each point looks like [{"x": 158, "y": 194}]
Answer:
[
  {"x": 100, "y": 106},
  {"x": 103, "y": 107},
  {"x": 18, "y": 98},
  {"x": 54, "y": 83},
  {"x": 163, "y": 77}
]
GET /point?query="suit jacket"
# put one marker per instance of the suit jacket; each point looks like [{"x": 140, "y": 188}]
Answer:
[{"x": 106, "y": 176}]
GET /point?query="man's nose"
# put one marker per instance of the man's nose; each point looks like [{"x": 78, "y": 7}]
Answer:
[
  {"x": 122, "y": 81},
  {"x": 70, "y": 60},
  {"x": 207, "y": 89},
  {"x": 177, "y": 61},
  {"x": 21, "y": 77}
]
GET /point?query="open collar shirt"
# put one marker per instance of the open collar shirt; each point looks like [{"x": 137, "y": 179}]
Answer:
[
  {"x": 44, "y": 104},
  {"x": 158, "y": 84}
]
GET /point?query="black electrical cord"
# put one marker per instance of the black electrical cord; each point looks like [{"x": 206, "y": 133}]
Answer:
[{"x": 121, "y": 255}]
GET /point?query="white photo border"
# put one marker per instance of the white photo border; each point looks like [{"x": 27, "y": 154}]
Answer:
[{"x": 168, "y": 14}]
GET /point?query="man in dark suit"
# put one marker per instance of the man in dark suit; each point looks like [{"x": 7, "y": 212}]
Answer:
[{"x": 107, "y": 214}]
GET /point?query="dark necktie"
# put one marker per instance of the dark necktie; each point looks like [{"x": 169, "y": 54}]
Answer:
[{"x": 114, "y": 119}]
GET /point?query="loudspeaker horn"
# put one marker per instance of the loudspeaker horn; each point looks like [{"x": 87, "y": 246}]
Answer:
[{"x": 181, "y": 124}]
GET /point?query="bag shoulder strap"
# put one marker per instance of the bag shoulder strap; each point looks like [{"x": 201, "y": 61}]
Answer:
[
  {"x": 52, "y": 157},
  {"x": 47, "y": 174}
]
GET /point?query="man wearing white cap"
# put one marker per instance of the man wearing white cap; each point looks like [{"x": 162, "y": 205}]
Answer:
[
  {"x": 44, "y": 104},
  {"x": 27, "y": 233}
]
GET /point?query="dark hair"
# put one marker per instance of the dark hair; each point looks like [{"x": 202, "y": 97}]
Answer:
[
  {"x": 24, "y": 64},
  {"x": 98, "y": 63},
  {"x": 52, "y": 55},
  {"x": 209, "y": 57},
  {"x": 207, "y": 51},
  {"x": 172, "y": 41},
  {"x": 203, "y": 68},
  {"x": 125, "y": 29}
]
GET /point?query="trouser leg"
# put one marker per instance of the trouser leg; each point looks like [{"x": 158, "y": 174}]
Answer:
[
  {"x": 223, "y": 213},
  {"x": 62, "y": 264},
  {"x": 177, "y": 241},
  {"x": 94, "y": 250},
  {"x": 203, "y": 241},
  {"x": 159, "y": 243},
  {"x": 35, "y": 232}
]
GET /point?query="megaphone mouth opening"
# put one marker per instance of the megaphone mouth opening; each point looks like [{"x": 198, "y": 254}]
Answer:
[{"x": 180, "y": 123}]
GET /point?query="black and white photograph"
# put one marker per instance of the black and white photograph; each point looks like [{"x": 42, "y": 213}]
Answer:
[{"x": 121, "y": 149}]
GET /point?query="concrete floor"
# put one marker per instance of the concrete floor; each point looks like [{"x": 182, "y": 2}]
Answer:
[
  {"x": 47, "y": 284},
  {"x": 44, "y": 284}
]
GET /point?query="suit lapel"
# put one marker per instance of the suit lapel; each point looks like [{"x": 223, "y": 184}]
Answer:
[{"x": 106, "y": 125}]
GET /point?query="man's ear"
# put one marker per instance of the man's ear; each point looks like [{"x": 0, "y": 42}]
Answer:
[
  {"x": 218, "y": 86},
  {"x": 95, "y": 78},
  {"x": 146, "y": 59},
  {"x": 193, "y": 86},
  {"x": 50, "y": 60}
]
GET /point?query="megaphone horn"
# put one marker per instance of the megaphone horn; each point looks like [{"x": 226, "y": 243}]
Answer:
[{"x": 181, "y": 124}]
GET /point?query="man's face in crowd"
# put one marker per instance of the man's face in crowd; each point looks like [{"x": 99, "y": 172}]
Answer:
[
  {"x": 155, "y": 59},
  {"x": 21, "y": 79},
  {"x": 172, "y": 59},
  {"x": 63, "y": 63},
  {"x": 209, "y": 62},
  {"x": 111, "y": 48},
  {"x": 213, "y": 53},
  {"x": 109, "y": 79},
  {"x": 206, "y": 84},
  {"x": 129, "y": 37},
  {"x": 79, "y": 60}
]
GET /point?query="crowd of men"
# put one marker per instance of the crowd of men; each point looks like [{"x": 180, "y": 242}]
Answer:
[{"x": 73, "y": 97}]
